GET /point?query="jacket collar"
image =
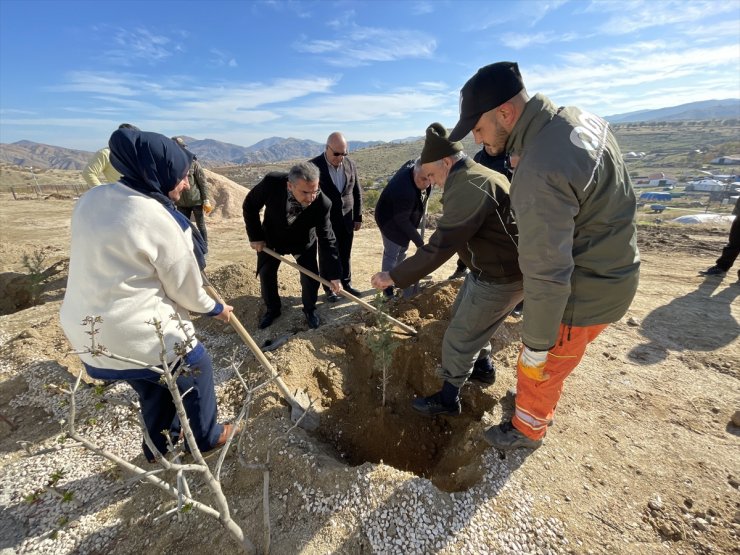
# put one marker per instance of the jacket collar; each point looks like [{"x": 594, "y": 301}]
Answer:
[{"x": 537, "y": 113}]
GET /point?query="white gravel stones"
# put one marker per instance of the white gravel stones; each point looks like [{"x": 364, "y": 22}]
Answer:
[
  {"x": 34, "y": 519},
  {"x": 411, "y": 516}
]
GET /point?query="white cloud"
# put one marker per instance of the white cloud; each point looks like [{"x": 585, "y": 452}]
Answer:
[
  {"x": 400, "y": 104},
  {"x": 623, "y": 78},
  {"x": 628, "y": 17},
  {"x": 520, "y": 41},
  {"x": 524, "y": 14},
  {"x": 357, "y": 46},
  {"x": 140, "y": 46},
  {"x": 422, "y": 8},
  {"x": 221, "y": 59}
]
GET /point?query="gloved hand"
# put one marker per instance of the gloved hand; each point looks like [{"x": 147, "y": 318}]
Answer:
[
  {"x": 532, "y": 364},
  {"x": 208, "y": 207}
]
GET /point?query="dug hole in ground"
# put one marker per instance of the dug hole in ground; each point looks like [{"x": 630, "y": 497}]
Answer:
[{"x": 642, "y": 458}]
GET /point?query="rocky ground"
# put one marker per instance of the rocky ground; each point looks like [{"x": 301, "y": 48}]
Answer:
[{"x": 642, "y": 457}]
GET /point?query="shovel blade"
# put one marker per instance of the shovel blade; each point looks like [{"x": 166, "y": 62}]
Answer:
[{"x": 303, "y": 410}]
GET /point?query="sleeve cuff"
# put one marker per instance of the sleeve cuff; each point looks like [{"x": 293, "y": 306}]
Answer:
[{"x": 218, "y": 309}]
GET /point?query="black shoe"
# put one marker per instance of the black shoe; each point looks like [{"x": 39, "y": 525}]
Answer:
[
  {"x": 352, "y": 291},
  {"x": 506, "y": 437},
  {"x": 518, "y": 310},
  {"x": 269, "y": 317},
  {"x": 331, "y": 297},
  {"x": 312, "y": 318},
  {"x": 484, "y": 371},
  {"x": 713, "y": 271},
  {"x": 433, "y": 405}
]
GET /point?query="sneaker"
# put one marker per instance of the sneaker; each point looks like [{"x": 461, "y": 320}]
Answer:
[
  {"x": 506, "y": 437},
  {"x": 331, "y": 297},
  {"x": 312, "y": 318},
  {"x": 483, "y": 371},
  {"x": 458, "y": 274},
  {"x": 433, "y": 405},
  {"x": 269, "y": 317},
  {"x": 713, "y": 271}
]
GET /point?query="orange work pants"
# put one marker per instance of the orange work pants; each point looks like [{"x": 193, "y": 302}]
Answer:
[{"x": 536, "y": 399}]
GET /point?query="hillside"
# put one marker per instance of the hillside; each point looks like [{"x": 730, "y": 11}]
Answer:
[
  {"x": 213, "y": 153},
  {"x": 678, "y": 149},
  {"x": 693, "y": 111}
]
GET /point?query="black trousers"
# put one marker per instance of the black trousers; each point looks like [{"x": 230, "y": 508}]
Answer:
[
  {"x": 732, "y": 249},
  {"x": 267, "y": 267},
  {"x": 344, "y": 246},
  {"x": 200, "y": 220}
]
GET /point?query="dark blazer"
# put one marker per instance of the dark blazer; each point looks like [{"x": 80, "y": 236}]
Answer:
[
  {"x": 346, "y": 209},
  {"x": 400, "y": 207},
  {"x": 312, "y": 223}
]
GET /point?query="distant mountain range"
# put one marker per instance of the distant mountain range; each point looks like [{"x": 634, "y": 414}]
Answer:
[
  {"x": 693, "y": 111},
  {"x": 209, "y": 151},
  {"x": 275, "y": 149}
]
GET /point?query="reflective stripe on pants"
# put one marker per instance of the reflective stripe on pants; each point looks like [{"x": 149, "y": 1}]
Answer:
[{"x": 536, "y": 400}]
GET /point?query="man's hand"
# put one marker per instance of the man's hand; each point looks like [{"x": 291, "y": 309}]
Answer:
[
  {"x": 532, "y": 364},
  {"x": 381, "y": 280},
  {"x": 225, "y": 314},
  {"x": 257, "y": 245},
  {"x": 358, "y": 225},
  {"x": 208, "y": 207},
  {"x": 335, "y": 286}
]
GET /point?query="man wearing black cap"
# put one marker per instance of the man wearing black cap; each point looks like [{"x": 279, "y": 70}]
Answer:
[
  {"x": 477, "y": 224},
  {"x": 575, "y": 209}
]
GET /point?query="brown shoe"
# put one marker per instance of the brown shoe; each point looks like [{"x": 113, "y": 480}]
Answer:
[{"x": 225, "y": 435}]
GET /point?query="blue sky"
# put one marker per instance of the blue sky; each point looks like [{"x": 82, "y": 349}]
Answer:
[{"x": 242, "y": 71}]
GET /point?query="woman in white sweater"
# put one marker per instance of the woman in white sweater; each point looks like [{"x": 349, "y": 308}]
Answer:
[{"x": 133, "y": 261}]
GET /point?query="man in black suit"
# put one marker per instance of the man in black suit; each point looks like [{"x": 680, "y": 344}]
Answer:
[
  {"x": 296, "y": 215},
  {"x": 338, "y": 181}
]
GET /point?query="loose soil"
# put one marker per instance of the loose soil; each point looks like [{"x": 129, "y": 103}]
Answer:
[{"x": 645, "y": 417}]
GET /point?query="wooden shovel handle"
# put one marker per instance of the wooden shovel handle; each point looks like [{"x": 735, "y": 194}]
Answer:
[
  {"x": 237, "y": 325},
  {"x": 344, "y": 293}
]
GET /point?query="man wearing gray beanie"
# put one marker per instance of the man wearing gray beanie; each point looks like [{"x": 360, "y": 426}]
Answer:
[
  {"x": 575, "y": 208},
  {"x": 477, "y": 224}
]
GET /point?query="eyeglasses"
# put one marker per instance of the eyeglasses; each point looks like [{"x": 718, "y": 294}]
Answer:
[{"x": 335, "y": 153}]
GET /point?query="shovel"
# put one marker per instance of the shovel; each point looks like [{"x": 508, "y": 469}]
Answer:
[
  {"x": 300, "y": 404},
  {"x": 309, "y": 273}
]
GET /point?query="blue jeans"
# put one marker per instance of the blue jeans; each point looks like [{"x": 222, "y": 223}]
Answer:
[
  {"x": 393, "y": 255},
  {"x": 158, "y": 408}
]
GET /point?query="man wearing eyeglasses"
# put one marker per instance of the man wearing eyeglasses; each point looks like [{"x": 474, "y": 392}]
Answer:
[
  {"x": 296, "y": 215},
  {"x": 338, "y": 181}
]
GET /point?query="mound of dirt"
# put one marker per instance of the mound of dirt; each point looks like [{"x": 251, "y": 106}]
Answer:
[{"x": 227, "y": 196}]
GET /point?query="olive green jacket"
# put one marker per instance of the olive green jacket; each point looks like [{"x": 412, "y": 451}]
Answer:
[
  {"x": 476, "y": 223},
  {"x": 575, "y": 208},
  {"x": 197, "y": 194}
]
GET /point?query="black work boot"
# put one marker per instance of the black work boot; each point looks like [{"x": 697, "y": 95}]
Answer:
[
  {"x": 484, "y": 371},
  {"x": 507, "y": 438},
  {"x": 446, "y": 402}
]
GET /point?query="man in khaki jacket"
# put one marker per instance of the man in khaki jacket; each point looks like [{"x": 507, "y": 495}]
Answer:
[{"x": 575, "y": 208}]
